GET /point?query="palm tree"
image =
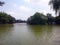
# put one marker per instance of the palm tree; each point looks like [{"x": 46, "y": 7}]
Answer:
[{"x": 55, "y": 5}]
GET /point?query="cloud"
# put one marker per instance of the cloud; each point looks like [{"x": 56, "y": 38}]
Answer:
[
  {"x": 43, "y": 11},
  {"x": 24, "y": 9},
  {"x": 37, "y": 2},
  {"x": 42, "y": 5},
  {"x": 27, "y": 1},
  {"x": 10, "y": 12},
  {"x": 18, "y": 15},
  {"x": 15, "y": 5}
]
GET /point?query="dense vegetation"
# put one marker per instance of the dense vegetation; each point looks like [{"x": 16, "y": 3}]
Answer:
[
  {"x": 37, "y": 18},
  {"x": 41, "y": 19},
  {"x": 56, "y": 7},
  {"x": 6, "y": 18}
]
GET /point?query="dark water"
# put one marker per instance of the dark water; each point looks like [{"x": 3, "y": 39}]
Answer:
[{"x": 23, "y": 34}]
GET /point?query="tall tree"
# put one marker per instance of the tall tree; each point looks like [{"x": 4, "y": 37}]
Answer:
[
  {"x": 37, "y": 19},
  {"x": 1, "y": 3},
  {"x": 55, "y": 5}
]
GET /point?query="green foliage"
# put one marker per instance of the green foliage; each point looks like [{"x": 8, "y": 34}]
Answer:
[
  {"x": 41, "y": 19},
  {"x": 55, "y": 5},
  {"x": 37, "y": 18},
  {"x": 6, "y": 18},
  {"x": 50, "y": 18},
  {"x": 57, "y": 20}
]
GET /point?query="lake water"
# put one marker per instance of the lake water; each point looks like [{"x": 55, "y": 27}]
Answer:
[{"x": 23, "y": 34}]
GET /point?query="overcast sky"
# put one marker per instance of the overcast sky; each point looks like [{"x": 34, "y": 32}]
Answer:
[{"x": 22, "y": 9}]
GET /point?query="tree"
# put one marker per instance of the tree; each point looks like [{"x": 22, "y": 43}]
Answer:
[
  {"x": 50, "y": 18},
  {"x": 1, "y": 3},
  {"x": 56, "y": 6},
  {"x": 37, "y": 19},
  {"x": 6, "y": 18}
]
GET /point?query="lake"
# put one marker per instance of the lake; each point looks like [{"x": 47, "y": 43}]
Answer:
[{"x": 23, "y": 34}]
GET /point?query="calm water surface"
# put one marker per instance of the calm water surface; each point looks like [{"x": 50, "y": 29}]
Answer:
[{"x": 23, "y": 34}]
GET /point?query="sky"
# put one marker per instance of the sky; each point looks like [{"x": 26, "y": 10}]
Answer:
[{"x": 23, "y": 9}]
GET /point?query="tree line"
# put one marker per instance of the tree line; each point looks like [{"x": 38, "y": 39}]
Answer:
[
  {"x": 37, "y": 18},
  {"x": 41, "y": 19},
  {"x": 6, "y": 18}
]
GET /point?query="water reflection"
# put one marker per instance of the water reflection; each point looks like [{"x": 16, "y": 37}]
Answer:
[
  {"x": 5, "y": 30},
  {"x": 42, "y": 33},
  {"x": 38, "y": 30}
]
